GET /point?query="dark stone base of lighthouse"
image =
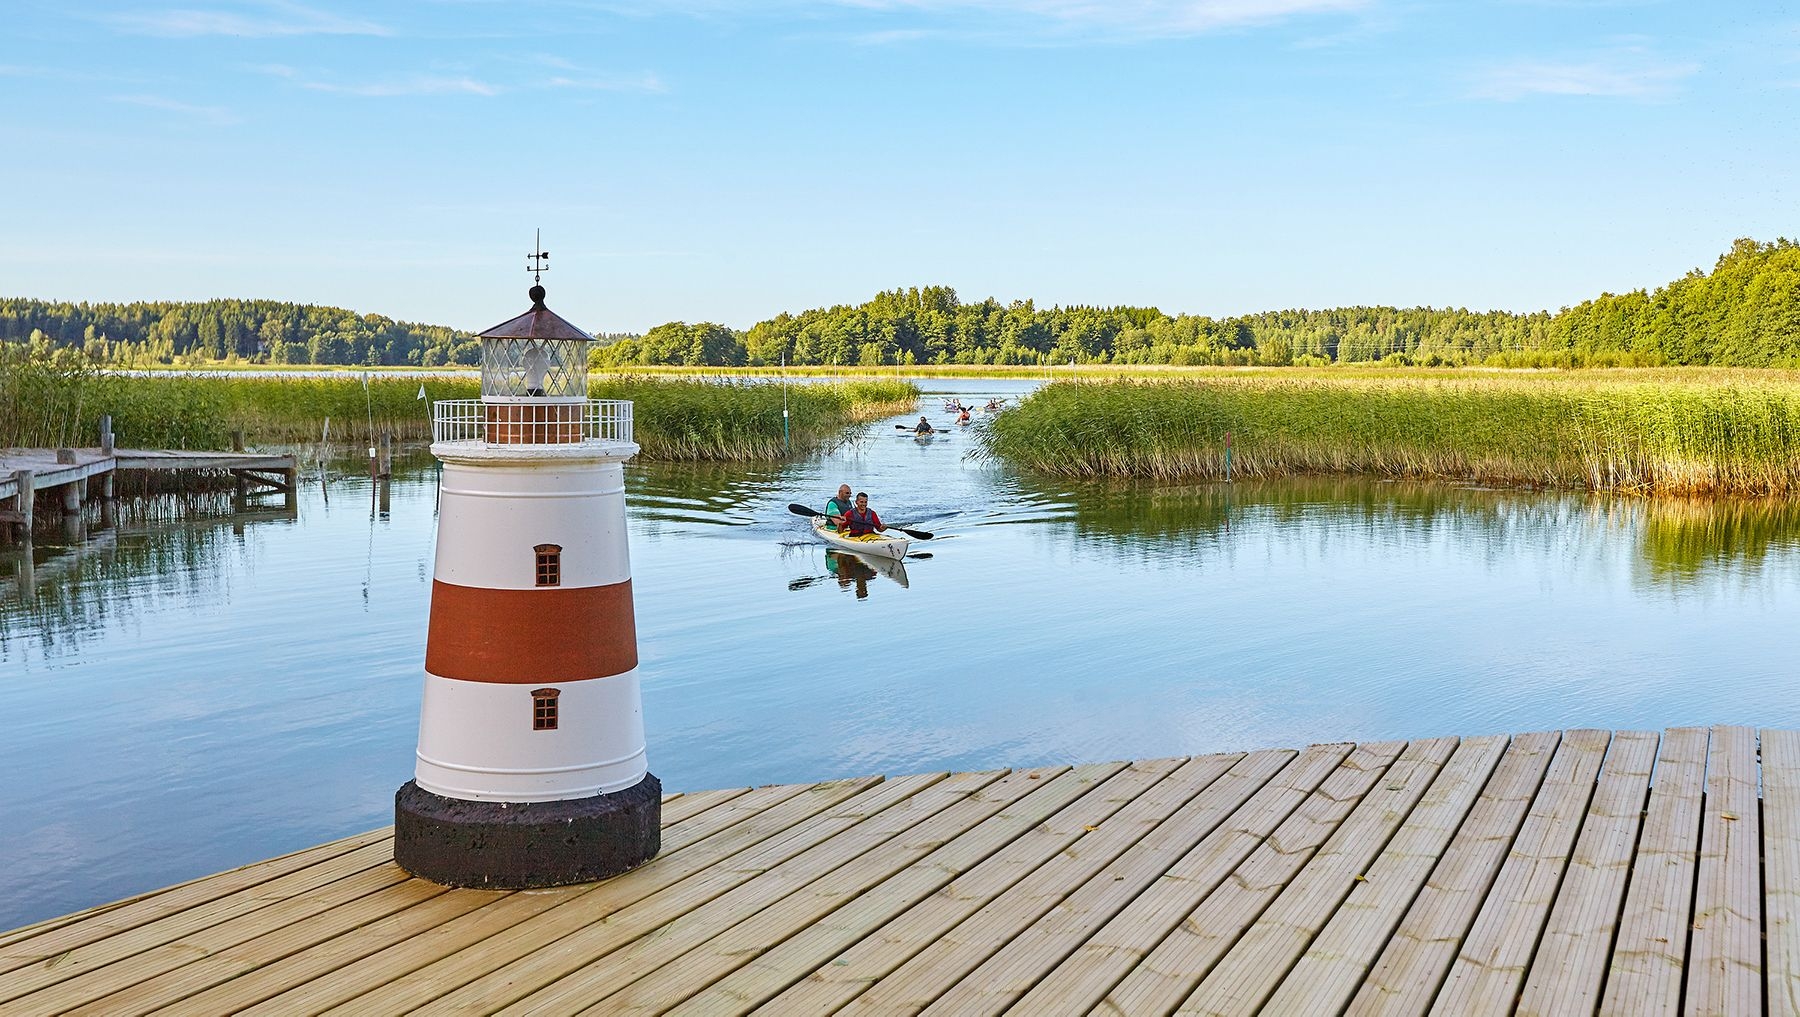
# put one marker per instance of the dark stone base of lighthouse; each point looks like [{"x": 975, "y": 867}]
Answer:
[{"x": 519, "y": 845}]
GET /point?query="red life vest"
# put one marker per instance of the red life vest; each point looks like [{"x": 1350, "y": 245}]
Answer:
[{"x": 860, "y": 521}]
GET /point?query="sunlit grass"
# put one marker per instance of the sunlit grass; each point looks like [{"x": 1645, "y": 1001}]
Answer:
[{"x": 1668, "y": 432}]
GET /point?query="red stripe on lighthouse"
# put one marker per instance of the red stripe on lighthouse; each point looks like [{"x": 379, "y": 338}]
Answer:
[{"x": 531, "y": 636}]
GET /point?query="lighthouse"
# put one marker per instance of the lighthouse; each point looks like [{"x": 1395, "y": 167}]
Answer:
[{"x": 531, "y": 768}]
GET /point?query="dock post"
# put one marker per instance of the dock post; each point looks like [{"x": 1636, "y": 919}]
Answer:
[
  {"x": 106, "y": 439},
  {"x": 107, "y": 491},
  {"x": 237, "y": 441},
  {"x": 27, "y": 498}
]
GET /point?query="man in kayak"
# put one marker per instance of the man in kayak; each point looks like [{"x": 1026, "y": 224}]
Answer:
[
  {"x": 838, "y": 507},
  {"x": 861, "y": 519},
  {"x": 963, "y": 417},
  {"x": 924, "y": 427}
]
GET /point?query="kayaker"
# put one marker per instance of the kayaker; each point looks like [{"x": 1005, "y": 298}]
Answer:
[
  {"x": 924, "y": 427},
  {"x": 963, "y": 417},
  {"x": 861, "y": 519},
  {"x": 836, "y": 508}
]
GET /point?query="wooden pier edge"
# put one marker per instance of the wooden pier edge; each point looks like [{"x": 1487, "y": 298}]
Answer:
[{"x": 1575, "y": 872}]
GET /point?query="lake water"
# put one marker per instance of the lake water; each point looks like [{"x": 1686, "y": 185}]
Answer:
[{"x": 193, "y": 690}]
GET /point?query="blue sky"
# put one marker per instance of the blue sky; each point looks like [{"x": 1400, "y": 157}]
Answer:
[{"x": 727, "y": 159}]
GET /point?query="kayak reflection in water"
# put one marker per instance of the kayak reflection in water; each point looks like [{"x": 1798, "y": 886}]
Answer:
[{"x": 850, "y": 571}]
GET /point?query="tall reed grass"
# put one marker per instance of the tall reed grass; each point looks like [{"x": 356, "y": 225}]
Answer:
[
  {"x": 1641, "y": 431},
  {"x": 53, "y": 398}
]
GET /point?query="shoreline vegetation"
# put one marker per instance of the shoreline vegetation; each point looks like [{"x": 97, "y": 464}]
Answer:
[
  {"x": 1717, "y": 432},
  {"x": 54, "y": 398},
  {"x": 1744, "y": 312}
]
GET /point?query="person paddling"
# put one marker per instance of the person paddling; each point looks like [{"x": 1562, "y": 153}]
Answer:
[
  {"x": 963, "y": 417},
  {"x": 924, "y": 427},
  {"x": 838, "y": 507},
  {"x": 861, "y": 519}
]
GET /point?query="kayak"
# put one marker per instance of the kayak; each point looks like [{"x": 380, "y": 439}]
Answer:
[{"x": 875, "y": 544}]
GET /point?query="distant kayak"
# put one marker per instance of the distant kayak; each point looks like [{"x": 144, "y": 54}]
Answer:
[{"x": 878, "y": 545}]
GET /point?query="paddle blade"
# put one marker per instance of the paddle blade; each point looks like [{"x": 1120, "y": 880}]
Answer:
[
  {"x": 802, "y": 510},
  {"x": 914, "y": 534}
]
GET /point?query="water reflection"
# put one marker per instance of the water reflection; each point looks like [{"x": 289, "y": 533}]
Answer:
[{"x": 1677, "y": 542}]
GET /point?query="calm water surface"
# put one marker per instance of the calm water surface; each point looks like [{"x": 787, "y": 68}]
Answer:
[{"x": 192, "y": 690}]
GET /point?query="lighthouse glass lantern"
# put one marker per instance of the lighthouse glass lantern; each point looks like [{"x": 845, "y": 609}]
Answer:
[{"x": 531, "y": 766}]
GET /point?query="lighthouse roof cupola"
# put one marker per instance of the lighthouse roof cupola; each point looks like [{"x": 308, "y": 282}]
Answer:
[{"x": 537, "y": 355}]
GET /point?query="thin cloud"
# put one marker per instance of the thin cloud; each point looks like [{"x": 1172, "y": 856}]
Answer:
[
  {"x": 997, "y": 19},
  {"x": 645, "y": 82},
  {"x": 1631, "y": 77},
  {"x": 272, "y": 19},
  {"x": 418, "y": 84},
  {"x": 217, "y": 116}
]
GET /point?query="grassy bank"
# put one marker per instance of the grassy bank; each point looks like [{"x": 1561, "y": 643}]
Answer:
[
  {"x": 57, "y": 401},
  {"x": 1663, "y": 432}
]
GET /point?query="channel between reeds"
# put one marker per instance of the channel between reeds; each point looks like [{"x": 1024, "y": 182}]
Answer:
[{"x": 1649, "y": 432}]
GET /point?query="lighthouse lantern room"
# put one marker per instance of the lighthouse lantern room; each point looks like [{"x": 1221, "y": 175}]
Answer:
[{"x": 531, "y": 766}]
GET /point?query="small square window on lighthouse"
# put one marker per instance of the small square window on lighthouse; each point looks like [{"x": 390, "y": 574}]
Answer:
[
  {"x": 549, "y": 565},
  {"x": 543, "y": 709}
]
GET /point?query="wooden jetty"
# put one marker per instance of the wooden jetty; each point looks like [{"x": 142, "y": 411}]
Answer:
[
  {"x": 1574, "y": 872},
  {"x": 26, "y": 473}
]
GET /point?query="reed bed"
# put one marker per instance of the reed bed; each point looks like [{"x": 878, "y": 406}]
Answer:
[
  {"x": 59, "y": 401},
  {"x": 1642, "y": 431}
]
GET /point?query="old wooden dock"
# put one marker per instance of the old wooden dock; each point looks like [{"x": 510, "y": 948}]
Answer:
[
  {"x": 1574, "y": 872},
  {"x": 69, "y": 474}
]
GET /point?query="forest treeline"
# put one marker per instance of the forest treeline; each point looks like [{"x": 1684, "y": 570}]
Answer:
[{"x": 1745, "y": 312}]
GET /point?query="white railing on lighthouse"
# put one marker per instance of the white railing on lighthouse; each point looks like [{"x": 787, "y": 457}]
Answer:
[{"x": 530, "y": 421}]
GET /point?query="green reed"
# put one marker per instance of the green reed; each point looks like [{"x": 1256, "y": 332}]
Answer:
[
  {"x": 1668, "y": 432},
  {"x": 49, "y": 400}
]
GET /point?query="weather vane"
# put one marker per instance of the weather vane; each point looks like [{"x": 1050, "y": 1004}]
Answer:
[{"x": 540, "y": 259}]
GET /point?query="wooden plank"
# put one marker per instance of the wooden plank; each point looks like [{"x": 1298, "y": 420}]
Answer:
[
  {"x": 381, "y": 959},
  {"x": 1333, "y": 967},
  {"x": 879, "y": 951},
  {"x": 1569, "y": 970},
  {"x": 1406, "y": 977},
  {"x": 143, "y": 965},
  {"x": 682, "y": 807},
  {"x": 32, "y": 943},
  {"x": 1781, "y": 867},
  {"x": 933, "y": 851},
  {"x": 1725, "y": 953},
  {"x": 407, "y": 975},
  {"x": 1490, "y": 968},
  {"x": 1644, "y": 978},
  {"x": 1073, "y": 899},
  {"x": 1021, "y": 972},
  {"x": 1256, "y": 964},
  {"x": 206, "y": 969},
  {"x": 740, "y": 889},
  {"x": 937, "y": 878},
  {"x": 81, "y": 960}
]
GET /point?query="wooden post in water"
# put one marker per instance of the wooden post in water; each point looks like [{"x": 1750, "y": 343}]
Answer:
[
  {"x": 1227, "y": 456},
  {"x": 27, "y": 497}
]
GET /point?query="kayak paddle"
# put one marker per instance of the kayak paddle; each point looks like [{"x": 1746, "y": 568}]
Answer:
[{"x": 802, "y": 510}]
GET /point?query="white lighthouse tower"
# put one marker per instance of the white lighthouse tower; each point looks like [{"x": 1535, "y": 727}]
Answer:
[{"x": 531, "y": 767}]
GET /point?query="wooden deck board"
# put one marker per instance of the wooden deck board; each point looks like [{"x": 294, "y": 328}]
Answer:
[
  {"x": 1413, "y": 963},
  {"x": 1570, "y": 967},
  {"x": 962, "y": 886},
  {"x": 878, "y": 951},
  {"x": 1550, "y": 873},
  {"x": 1781, "y": 868},
  {"x": 1644, "y": 976},
  {"x": 1725, "y": 953},
  {"x": 1334, "y": 966},
  {"x": 1490, "y": 969}
]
